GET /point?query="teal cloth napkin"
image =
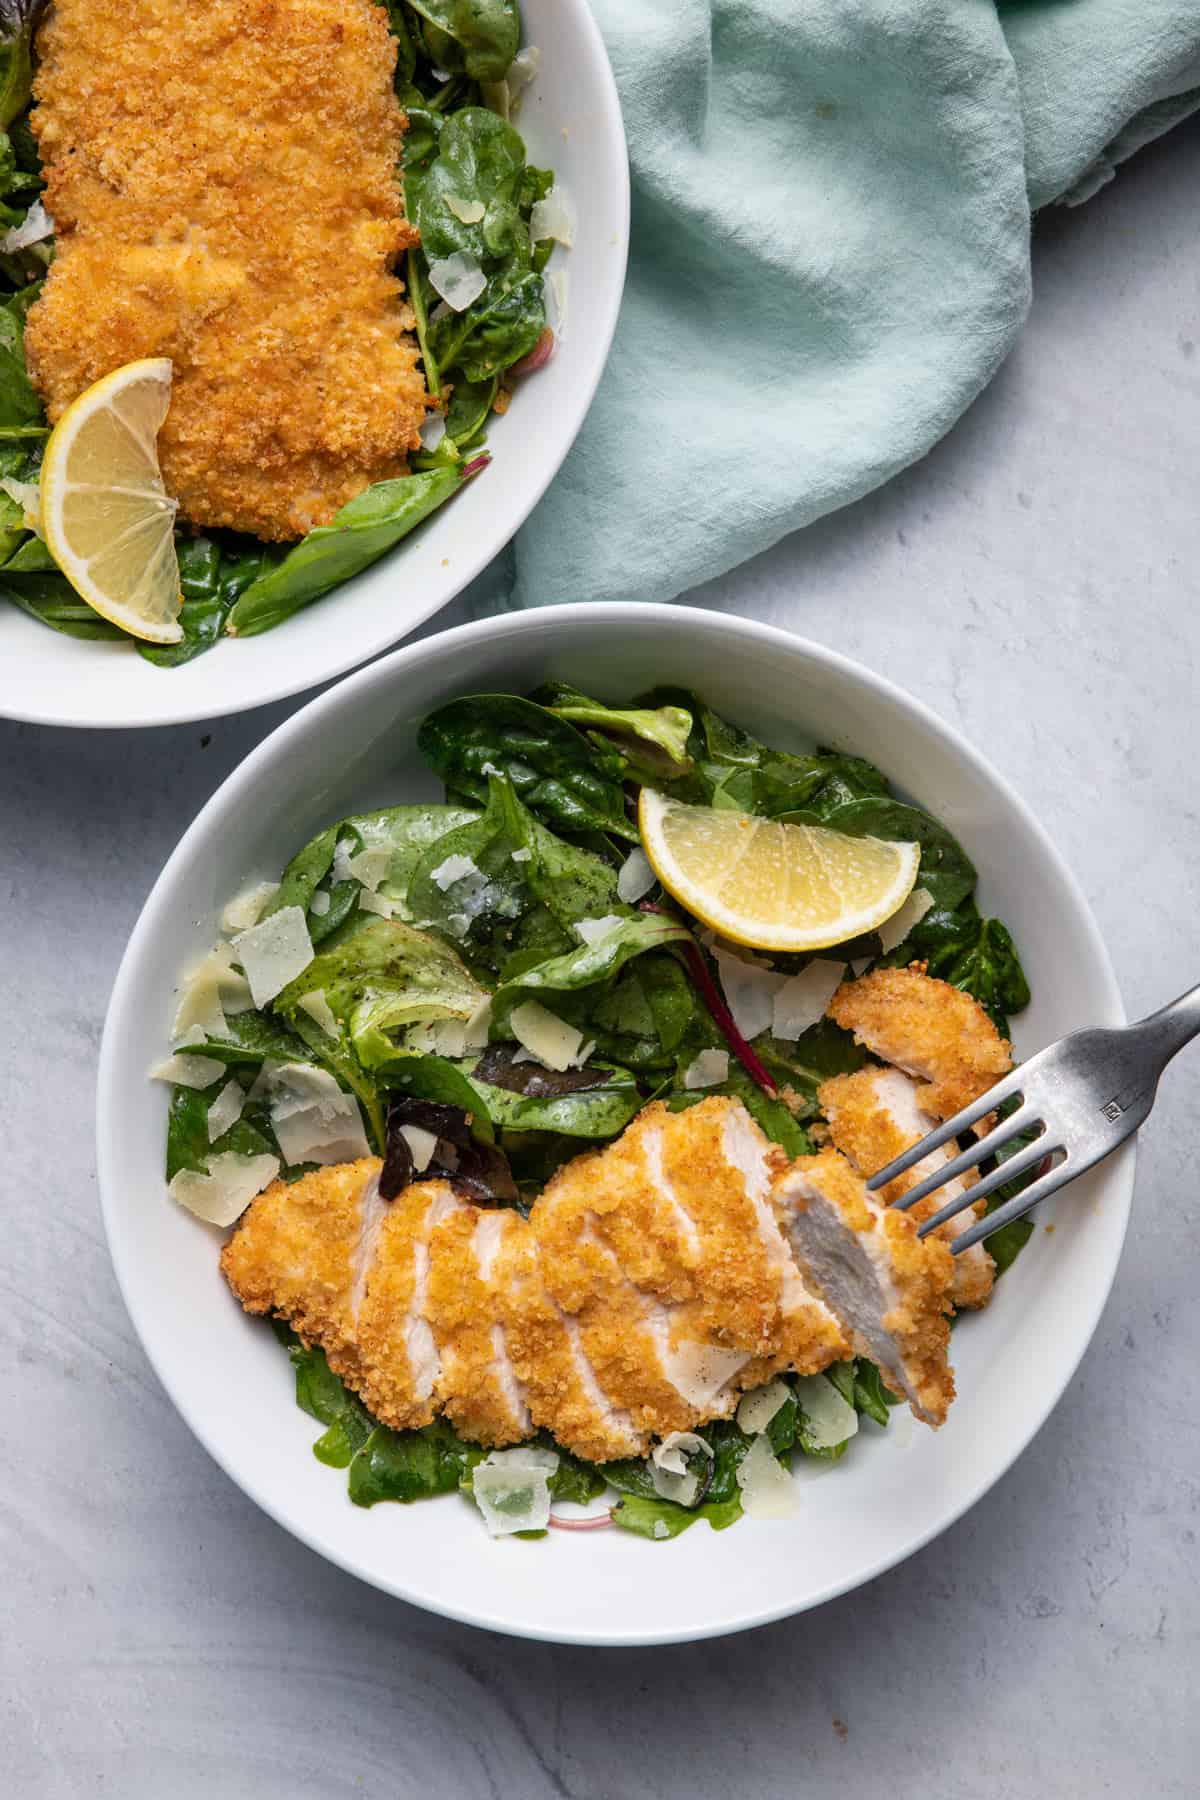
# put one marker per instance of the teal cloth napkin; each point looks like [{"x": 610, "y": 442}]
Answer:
[{"x": 829, "y": 257}]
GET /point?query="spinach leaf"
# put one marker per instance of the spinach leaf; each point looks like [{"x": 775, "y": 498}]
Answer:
[
  {"x": 480, "y": 162},
  {"x": 211, "y": 578},
  {"x": 661, "y": 1519},
  {"x": 434, "y": 1078},
  {"x": 251, "y": 1038},
  {"x": 654, "y": 742},
  {"x": 584, "y": 967},
  {"x": 18, "y": 21},
  {"x": 410, "y": 1465},
  {"x": 363, "y": 531},
  {"x": 817, "y": 1054},
  {"x": 325, "y": 1397},
  {"x": 486, "y": 32},
  {"x": 870, "y": 1394},
  {"x": 20, "y": 405},
  {"x": 496, "y": 330},
  {"x": 188, "y": 1145},
  {"x": 574, "y": 1480},
  {"x": 52, "y": 601},
  {"x": 470, "y": 404},
  {"x": 568, "y": 783}
]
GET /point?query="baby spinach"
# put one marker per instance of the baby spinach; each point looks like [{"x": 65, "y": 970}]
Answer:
[
  {"x": 363, "y": 531},
  {"x": 325, "y": 1397},
  {"x": 946, "y": 872},
  {"x": 480, "y": 162},
  {"x": 599, "y": 1111},
  {"x": 584, "y": 967},
  {"x": 497, "y": 330},
  {"x": 212, "y": 576},
  {"x": 52, "y": 601},
  {"x": 772, "y": 1116},
  {"x": 484, "y": 35},
  {"x": 824, "y": 1050},
  {"x": 444, "y": 1082},
  {"x": 654, "y": 742},
  {"x": 971, "y": 952},
  {"x": 411, "y": 1465},
  {"x": 250, "y": 1039},
  {"x": 870, "y": 1395},
  {"x": 188, "y": 1143},
  {"x": 568, "y": 783},
  {"x": 18, "y": 22}
]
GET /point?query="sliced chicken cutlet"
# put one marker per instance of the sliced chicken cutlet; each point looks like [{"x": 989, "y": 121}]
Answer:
[
  {"x": 929, "y": 1029},
  {"x": 874, "y": 1115},
  {"x": 477, "y": 1386},
  {"x": 400, "y": 1362},
  {"x": 666, "y": 1248},
  {"x": 890, "y": 1288},
  {"x": 302, "y": 1252}
]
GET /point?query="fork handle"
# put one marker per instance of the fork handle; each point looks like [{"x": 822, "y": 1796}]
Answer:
[{"x": 1165, "y": 1032}]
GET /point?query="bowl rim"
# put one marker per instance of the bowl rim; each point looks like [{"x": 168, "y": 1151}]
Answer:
[
  {"x": 473, "y": 562},
  {"x": 229, "y": 796}
]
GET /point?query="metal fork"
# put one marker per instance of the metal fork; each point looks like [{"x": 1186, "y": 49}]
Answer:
[{"x": 1084, "y": 1096}]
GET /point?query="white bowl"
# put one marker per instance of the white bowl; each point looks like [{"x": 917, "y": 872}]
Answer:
[
  {"x": 571, "y": 122},
  {"x": 354, "y": 747}
]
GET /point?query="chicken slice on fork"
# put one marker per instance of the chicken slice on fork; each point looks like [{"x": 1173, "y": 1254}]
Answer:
[
  {"x": 928, "y": 1028},
  {"x": 890, "y": 1288},
  {"x": 875, "y": 1115}
]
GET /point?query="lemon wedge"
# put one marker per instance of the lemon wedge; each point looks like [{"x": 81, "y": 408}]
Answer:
[
  {"x": 769, "y": 885},
  {"x": 106, "y": 517}
]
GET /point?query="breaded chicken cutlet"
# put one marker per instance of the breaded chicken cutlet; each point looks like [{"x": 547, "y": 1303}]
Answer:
[
  {"x": 429, "y": 1304},
  {"x": 223, "y": 181}
]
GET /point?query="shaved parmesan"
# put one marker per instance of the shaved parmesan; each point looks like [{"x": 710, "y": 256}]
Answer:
[
  {"x": 551, "y": 218},
  {"x": 709, "y": 1068},
  {"x": 458, "y": 923},
  {"x": 669, "y": 1471},
  {"x": 230, "y": 1183},
  {"x": 319, "y": 1010},
  {"x": 225, "y": 1110},
  {"x": 475, "y": 1032},
  {"x": 893, "y": 931},
  {"x": 421, "y": 1143},
  {"x": 802, "y": 999},
  {"x": 28, "y": 496},
  {"x": 469, "y": 211},
  {"x": 523, "y": 68},
  {"x": 458, "y": 279},
  {"x": 767, "y": 1491},
  {"x": 592, "y": 930},
  {"x": 828, "y": 1418},
  {"x": 313, "y": 1120},
  {"x": 522, "y": 856},
  {"x": 378, "y": 903},
  {"x": 455, "y": 868},
  {"x": 211, "y": 990},
  {"x": 550, "y": 1039},
  {"x": 757, "y": 1408},
  {"x": 438, "y": 1037},
  {"x": 319, "y": 904},
  {"x": 581, "y": 1056},
  {"x": 274, "y": 953},
  {"x": 36, "y": 225},
  {"x": 750, "y": 989},
  {"x": 512, "y": 1489},
  {"x": 247, "y": 908},
  {"x": 189, "y": 1071},
  {"x": 370, "y": 867},
  {"x": 635, "y": 877},
  {"x": 343, "y": 851},
  {"x": 433, "y": 431},
  {"x": 700, "y": 1372}
]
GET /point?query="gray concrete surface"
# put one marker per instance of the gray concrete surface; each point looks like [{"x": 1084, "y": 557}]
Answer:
[{"x": 1036, "y": 581}]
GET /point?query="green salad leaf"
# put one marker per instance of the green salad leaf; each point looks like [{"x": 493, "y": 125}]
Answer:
[
  {"x": 480, "y": 37},
  {"x": 654, "y": 742},
  {"x": 18, "y": 22},
  {"x": 567, "y": 782}
]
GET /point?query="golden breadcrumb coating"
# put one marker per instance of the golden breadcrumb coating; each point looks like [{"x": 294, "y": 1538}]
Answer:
[
  {"x": 476, "y": 1388},
  {"x": 223, "y": 181},
  {"x": 927, "y": 1028},
  {"x": 910, "y": 1339},
  {"x": 398, "y": 1353},
  {"x": 873, "y": 1117},
  {"x": 292, "y": 1253}
]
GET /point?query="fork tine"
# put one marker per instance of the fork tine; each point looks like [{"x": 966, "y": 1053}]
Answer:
[
  {"x": 1008, "y": 1171},
  {"x": 1016, "y": 1208},
  {"x": 988, "y": 1145},
  {"x": 979, "y": 1109}
]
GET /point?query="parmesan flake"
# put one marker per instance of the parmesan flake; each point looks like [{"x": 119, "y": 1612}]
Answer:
[
  {"x": 801, "y": 1000},
  {"x": 468, "y": 211},
  {"x": 222, "y": 1194},
  {"x": 313, "y": 1120},
  {"x": 828, "y": 1418},
  {"x": 757, "y": 1408},
  {"x": 593, "y": 930},
  {"x": 248, "y": 907},
  {"x": 512, "y": 1489},
  {"x": 320, "y": 903},
  {"x": 189, "y": 1071},
  {"x": 319, "y": 1010},
  {"x": 274, "y": 953},
  {"x": 453, "y": 869},
  {"x": 225, "y": 1110},
  {"x": 893, "y": 931},
  {"x": 767, "y": 1490},
  {"x": 635, "y": 877},
  {"x": 458, "y": 279},
  {"x": 549, "y": 1039},
  {"x": 708, "y": 1069},
  {"x": 551, "y": 218},
  {"x": 422, "y": 1144}
]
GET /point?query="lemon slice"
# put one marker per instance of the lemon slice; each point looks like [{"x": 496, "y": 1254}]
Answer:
[
  {"x": 774, "y": 886},
  {"x": 106, "y": 517}
]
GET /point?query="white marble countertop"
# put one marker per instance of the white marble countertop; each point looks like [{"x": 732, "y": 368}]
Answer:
[{"x": 1036, "y": 580}]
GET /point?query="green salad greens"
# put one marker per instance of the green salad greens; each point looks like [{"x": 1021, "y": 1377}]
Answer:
[
  {"x": 501, "y": 972},
  {"x": 475, "y": 284}
]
